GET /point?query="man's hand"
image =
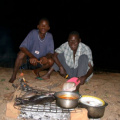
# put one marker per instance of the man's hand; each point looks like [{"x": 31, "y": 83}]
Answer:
[
  {"x": 82, "y": 79},
  {"x": 43, "y": 60},
  {"x": 62, "y": 71},
  {"x": 33, "y": 61}
]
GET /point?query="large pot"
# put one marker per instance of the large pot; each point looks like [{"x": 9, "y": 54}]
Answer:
[
  {"x": 67, "y": 99},
  {"x": 93, "y": 111}
]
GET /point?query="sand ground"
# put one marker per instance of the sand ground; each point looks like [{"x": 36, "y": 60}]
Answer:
[{"x": 104, "y": 85}]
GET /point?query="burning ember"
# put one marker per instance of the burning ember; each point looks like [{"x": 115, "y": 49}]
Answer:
[
  {"x": 23, "y": 85},
  {"x": 21, "y": 74}
]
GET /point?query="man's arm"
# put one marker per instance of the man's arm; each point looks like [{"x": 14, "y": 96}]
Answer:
[
  {"x": 62, "y": 70},
  {"x": 33, "y": 59},
  {"x": 49, "y": 55},
  {"x": 48, "y": 59},
  {"x": 83, "y": 78},
  {"x": 25, "y": 50},
  {"x": 57, "y": 60}
]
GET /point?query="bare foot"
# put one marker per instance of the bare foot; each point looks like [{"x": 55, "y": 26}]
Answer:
[
  {"x": 45, "y": 77},
  {"x": 12, "y": 79},
  {"x": 36, "y": 72}
]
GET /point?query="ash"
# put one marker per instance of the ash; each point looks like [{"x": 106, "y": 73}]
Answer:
[
  {"x": 44, "y": 112},
  {"x": 44, "y": 116}
]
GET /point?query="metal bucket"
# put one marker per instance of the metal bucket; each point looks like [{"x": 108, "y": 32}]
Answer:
[{"x": 94, "y": 111}]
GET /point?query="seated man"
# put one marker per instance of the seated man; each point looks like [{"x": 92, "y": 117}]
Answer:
[
  {"x": 38, "y": 46},
  {"x": 73, "y": 58}
]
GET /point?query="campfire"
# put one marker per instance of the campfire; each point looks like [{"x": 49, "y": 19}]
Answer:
[
  {"x": 39, "y": 104},
  {"x": 45, "y": 111},
  {"x": 23, "y": 85}
]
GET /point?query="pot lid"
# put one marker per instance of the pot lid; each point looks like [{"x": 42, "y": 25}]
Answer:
[{"x": 91, "y": 101}]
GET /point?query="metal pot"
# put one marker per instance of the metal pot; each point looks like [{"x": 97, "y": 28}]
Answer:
[
  {"x": 94, "y": 111},
  {"x": 66, "y": 102}
]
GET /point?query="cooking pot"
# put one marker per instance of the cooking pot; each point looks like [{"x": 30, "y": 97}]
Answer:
[
  {"x": 96, "y": 109},
  {"x": 67, "y": 99}
]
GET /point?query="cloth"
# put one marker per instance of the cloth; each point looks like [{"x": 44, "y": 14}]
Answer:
[
  {"x": 69, "y": 86},
  {"x": 81, "y": 70},
  {"x": 74, "y": 79},
  {"x": 36, "y": 45},
  {"x": 68, "y": 54}
]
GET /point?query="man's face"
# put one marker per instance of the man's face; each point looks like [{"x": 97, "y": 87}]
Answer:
[
  {"x": 73, "y": 41},
  {"x": 43, "y": 26}
]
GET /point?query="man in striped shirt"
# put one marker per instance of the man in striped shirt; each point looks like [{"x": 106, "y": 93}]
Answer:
[{"x": 73, "y": 58}]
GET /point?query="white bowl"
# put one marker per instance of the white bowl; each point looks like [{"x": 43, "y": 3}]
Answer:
[{"x": 91, "y": 101}]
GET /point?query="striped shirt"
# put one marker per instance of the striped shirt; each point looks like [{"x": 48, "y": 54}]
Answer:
[{"x": 68, "y": 54}]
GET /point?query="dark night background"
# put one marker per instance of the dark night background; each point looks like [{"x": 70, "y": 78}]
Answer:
[{"x": 98, "y": 23}]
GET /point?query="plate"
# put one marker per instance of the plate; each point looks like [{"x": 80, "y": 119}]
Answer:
[{"x": 91, "y": 101}]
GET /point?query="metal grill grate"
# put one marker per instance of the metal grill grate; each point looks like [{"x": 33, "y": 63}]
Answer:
[
  {"x": 48, "y": 107},
  {"x": 48, "y": 111},
  {"x": 51, "y": 107}
]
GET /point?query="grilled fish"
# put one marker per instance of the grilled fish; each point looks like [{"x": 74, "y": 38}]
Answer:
[
  {"x": 29, "y": 94},
  {"x": 37, "y": 99}
]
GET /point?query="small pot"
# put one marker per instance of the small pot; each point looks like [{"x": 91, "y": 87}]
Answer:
[
  {"x": 63, "y": 99},
  {"x": 94, "y": 111}
]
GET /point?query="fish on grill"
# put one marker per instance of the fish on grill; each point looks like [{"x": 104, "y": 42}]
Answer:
[
  {"x": 29, "y": 94},
  {"x": 37, "y": 99}
]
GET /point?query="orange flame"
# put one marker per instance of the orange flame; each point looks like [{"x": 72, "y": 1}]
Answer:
[
  {"x": 24, "y": 80},
  {"x": 21, "y": 74}
]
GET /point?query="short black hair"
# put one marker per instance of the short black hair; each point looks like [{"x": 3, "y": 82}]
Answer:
[
  {"x": 74, "y": 33},
  {"x": 44, "y": 18}
]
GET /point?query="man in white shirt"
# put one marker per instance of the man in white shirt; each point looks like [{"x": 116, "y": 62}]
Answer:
[{"x": 73, "y": 58}]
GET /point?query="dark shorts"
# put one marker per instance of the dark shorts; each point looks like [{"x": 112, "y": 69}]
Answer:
[{"x": 29, "y": 66}]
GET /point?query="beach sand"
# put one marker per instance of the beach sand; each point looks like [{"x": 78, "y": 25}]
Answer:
[{"x": 104, "y": 85}]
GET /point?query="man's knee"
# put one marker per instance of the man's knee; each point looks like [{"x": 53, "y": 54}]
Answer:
[
  {"x": 50, "y": 61},
  {"x": 84, "y": 57},
  {"x": 21, "y": 55}
]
